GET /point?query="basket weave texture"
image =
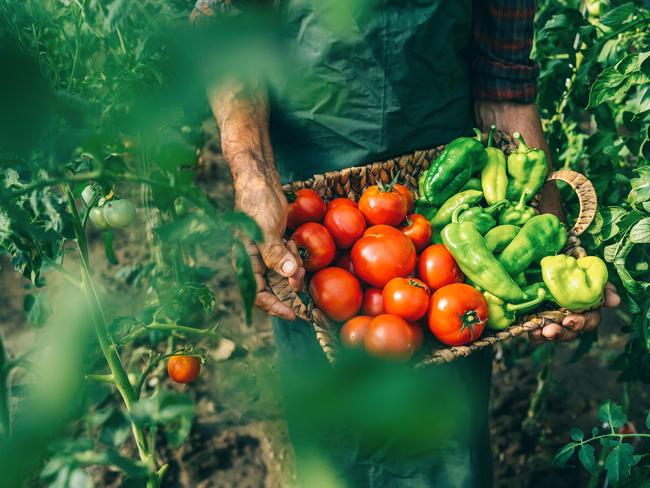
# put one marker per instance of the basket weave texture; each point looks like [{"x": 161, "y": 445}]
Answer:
[{"x": 350, "y": 182}]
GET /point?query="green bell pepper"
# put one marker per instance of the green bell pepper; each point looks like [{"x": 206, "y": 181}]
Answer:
[
  {"x": 452, "y": 169},
  {"x": 543, "y": 235},
  {"x": 517, "y": 215},
  {"x": 425, "y": 209},
  {"x": 576, "y": 284},
  {"x": 499, "y": 237},
  {"x": 472, "y": 184},
  {"x": 527, "y": 168},
  {"x": 467, "y": 246},
  {"x": 482, "y": 217},
  {"x": 494, "y": 178},
  {"x": 501, "y": 315},
  {"x": 443, "y": 216}
]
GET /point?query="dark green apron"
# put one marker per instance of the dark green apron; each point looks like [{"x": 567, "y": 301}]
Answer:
[{"x": 369, "y": 80}]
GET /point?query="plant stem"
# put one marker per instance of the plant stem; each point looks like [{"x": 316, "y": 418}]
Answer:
[
  {"x": 106, "y": 344},
  {"x": 5, "y": 412}
]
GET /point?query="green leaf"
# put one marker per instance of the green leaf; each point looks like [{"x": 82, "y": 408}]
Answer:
[
  {"x": 612, "y": 414},
  {"x": 37, "y": 308},
  {"x": 564, "y": 454},
  {"x": 245, "y": 277},
  {"x": 647, "y": 421},
  {"x": 619, "y": 462},
  {"x": 607, "y": 87},
  {"x": 576, "y": 434},
  {"x": 587, "y": 458},
  {"x": 640, "y": 186},
  {"x": 615, "y": 17},
  {"x": 107, "y": 237},
  {"x": 640, "y": 232}
]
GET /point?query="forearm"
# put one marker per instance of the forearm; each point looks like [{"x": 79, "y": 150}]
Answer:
[
  {"x": 243, "y": 118},
  {"x": 513, "y": 117}
]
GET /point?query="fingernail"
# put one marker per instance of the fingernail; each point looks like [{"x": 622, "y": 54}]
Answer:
[{"x": 288, "y": 267}]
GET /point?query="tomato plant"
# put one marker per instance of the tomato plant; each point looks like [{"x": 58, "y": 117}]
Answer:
[
  {"x": 457, "y": 314},
  {"x": 336, "y": 292},
  {"x": 383, "y": 253}
]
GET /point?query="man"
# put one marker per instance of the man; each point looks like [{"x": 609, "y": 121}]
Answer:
[{"x": 379, "y": 79}]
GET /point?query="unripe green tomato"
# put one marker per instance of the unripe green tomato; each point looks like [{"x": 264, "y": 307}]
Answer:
[
  {"x": 96, "y": 216},
  {"x": 88, "y": 194},
  {"x": 119, "y": 213}
]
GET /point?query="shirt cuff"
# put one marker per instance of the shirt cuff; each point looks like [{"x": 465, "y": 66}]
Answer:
[{"x": 500, "y": 81}]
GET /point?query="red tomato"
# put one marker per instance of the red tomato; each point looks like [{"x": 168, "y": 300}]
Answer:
[
  {"x": 304, "y": 206},
  {"x": 340, "y": 202},
  {"x": 418, "y": 334},
  {"x": 315, "y": 244},
  {"x": 353, "y": 332},
  {"x": 437, "y": 268},
  {"x": 406, "y": 195},
  {"x": 336, "y": 292},
  {"x": 418, "y": 229},
  {"x": 183, "y": 369},
  {"x": 373, "y": 302},
  {"x": 390, "y": 337},
  {"x": 382, "y": 206},
  {"x": 458, "y": 314},
  {"x": 346, "y": 224},
  {"x": 383, "y": 253},
  {"x": 407, "y": 298},
  {"x": 345, "y": 262}
]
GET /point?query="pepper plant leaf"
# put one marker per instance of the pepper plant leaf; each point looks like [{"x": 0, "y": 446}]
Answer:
[
  {"x": 612, "y": 414},
  {"x": 587, "y": 458},
  {"x": 619, "y": 462}
]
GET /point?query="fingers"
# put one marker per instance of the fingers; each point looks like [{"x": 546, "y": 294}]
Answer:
[
  {"x": 267, "y": 301},
  {"x": 582, "y": 322},
  {"x": 279, "y": 258},
  {"x": 612, "y": 299},
  {"x": 571, "y": 326},
  {"x": 297, "y": 280}
]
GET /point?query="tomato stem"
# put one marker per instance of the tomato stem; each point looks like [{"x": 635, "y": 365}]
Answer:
[
  {"x": 106, "y": 344},
  {"x": 469, "y": 320}
]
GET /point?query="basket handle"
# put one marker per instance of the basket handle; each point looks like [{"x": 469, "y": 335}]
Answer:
[{"x": 586, "y": 196}]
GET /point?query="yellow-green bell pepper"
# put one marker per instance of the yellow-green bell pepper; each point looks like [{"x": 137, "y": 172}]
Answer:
[{"x": 576, "y": 284}]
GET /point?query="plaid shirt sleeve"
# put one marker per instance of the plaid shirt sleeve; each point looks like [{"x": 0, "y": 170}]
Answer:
[{"x": 502, "y": 39}]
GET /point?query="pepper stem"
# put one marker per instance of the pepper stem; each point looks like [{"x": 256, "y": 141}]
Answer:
[
  {"x": 479, "y": 134},
  {"x": 521, "y": 204},
  {"x": 490, "y": 134},
  {"x": 541, "y": 295},
  {"x": 291, "y": 196},
  {"x": 460, "y": 209},
  {"x": 522, "y": 143},
  {"x": 496, "y": 206}
]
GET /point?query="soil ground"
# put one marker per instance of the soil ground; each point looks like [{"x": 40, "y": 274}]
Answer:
[{"x": 239, "y": 438}]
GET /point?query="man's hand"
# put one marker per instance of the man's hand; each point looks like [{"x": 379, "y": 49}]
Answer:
[
  {"x": 265, "y": 203},
  {"x": 510, "y": 118}
]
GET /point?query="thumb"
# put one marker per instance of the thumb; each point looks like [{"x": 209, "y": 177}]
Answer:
[{"x": 278, "y": 257}]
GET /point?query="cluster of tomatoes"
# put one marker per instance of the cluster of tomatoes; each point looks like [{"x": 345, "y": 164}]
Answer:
[{"x": 375, "y": 269}]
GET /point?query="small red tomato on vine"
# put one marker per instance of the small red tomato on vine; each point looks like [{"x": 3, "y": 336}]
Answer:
[
  {"x": 407, "y": 298},
  {"x": 304, "y": 206},
  {"x": 315, "y": 244},
  {"x": 183, "y": 369},
  {"x": 418, "y": 229},
  {"x": 458, "y": 314}
]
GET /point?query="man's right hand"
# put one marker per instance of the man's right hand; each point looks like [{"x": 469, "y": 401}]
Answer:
[{"x": 265, "y": 203}]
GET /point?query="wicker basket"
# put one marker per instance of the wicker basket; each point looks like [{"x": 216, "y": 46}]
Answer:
[{"x": 351, "y": 182}]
